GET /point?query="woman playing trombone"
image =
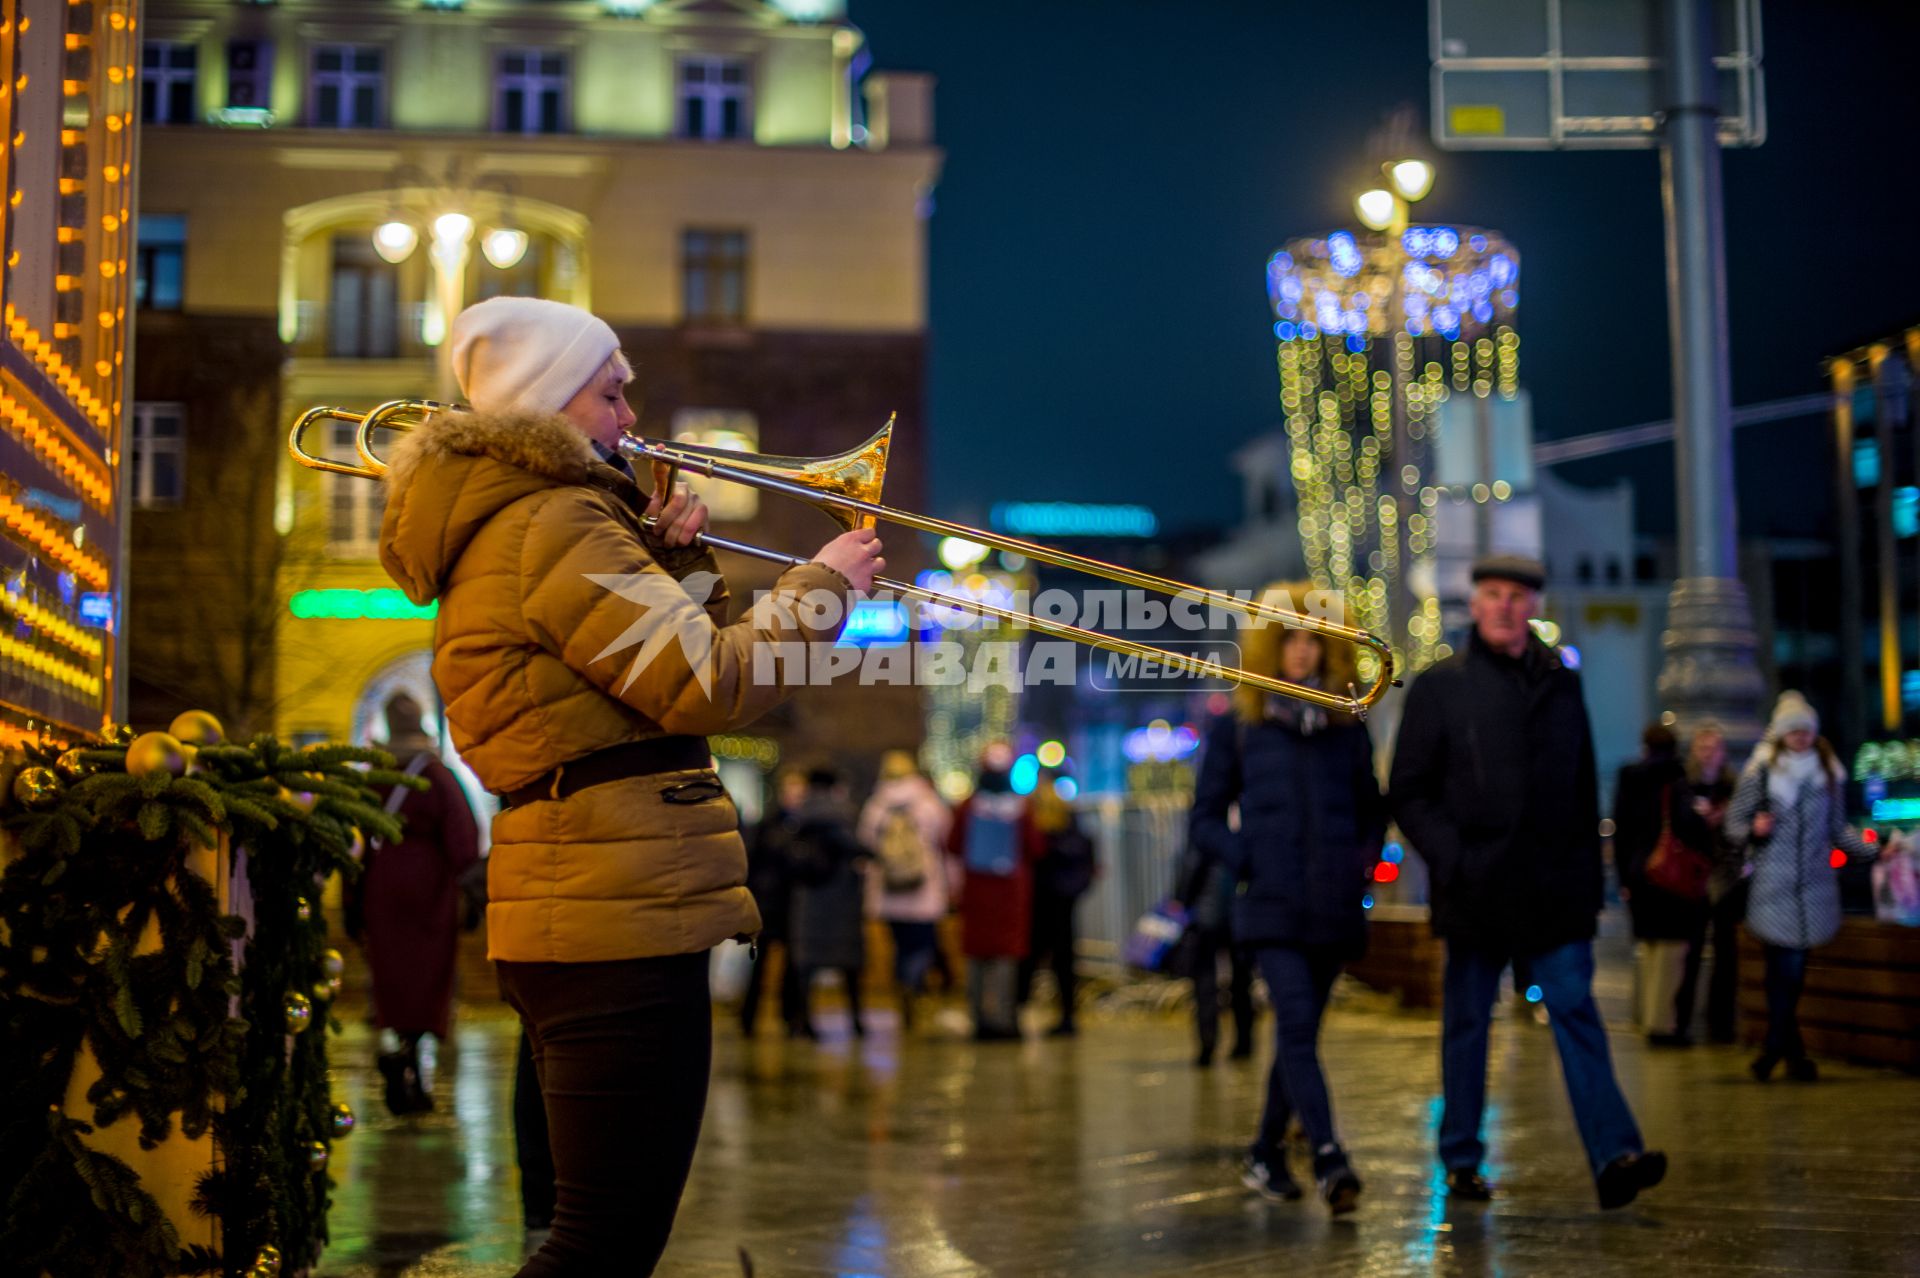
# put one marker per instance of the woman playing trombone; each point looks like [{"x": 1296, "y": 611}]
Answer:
[{"x": 582, "y": 651}]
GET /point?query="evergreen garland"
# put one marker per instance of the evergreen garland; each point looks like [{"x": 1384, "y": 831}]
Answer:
[{"x": 95, "y": 865}]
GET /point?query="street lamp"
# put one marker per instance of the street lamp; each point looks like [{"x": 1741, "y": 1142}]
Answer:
[
  {"x": 451, "y": 233},
  {"x": 1387, "y": 207}
]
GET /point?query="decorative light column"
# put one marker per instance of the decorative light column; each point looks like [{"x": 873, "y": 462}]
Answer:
[{"x": 1375, "y": 334}]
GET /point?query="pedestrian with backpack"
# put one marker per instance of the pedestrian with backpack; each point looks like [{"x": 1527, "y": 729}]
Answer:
[
  {"x": 996, "y": 844},
  {"x": 904, "y": 826}
]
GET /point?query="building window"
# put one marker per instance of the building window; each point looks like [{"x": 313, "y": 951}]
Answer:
[
  {"x": 349, "y": 86},
  {"x": 530, "y": 91},
  {"x": 250, "y": 74},
  {"x": 714, "y": 266},
  {"x": 363, "y": 302},
  {"x": 729, "y": 428},
  {"x": 166, "y": 82},
  {"x": 354, "y": 506},
  {"x": 160, "y": 262},
  {"x": 160, "y": 454},
  {"x": 715, "y": 98}
]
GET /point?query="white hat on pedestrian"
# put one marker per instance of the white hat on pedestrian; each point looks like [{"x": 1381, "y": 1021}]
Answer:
[
  {"x": 1792, "y": 712},
  {"x": 526, "y": 354}
]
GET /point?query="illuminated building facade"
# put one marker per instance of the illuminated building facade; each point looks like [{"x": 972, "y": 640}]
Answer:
[
  {"x": 1388, "y": 346},
  {"x": 725, "y": 181},
  {"x": 67, "y": 150}
]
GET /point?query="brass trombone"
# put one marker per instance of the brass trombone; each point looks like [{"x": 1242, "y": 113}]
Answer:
[{"x": 847, "y": 487}]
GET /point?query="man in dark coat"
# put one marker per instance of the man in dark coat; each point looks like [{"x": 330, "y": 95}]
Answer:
[
  {"x": 828, "y": 864},
  {"x": 1650, "y": 799},
  {"x": 770, "y": 879},
  {"x": 1493, "y": 782}
]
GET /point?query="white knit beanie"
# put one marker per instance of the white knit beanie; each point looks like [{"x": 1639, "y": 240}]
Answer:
[
  {"x": 1792, "y": 711},
  {"x": 526, "y": 354}
]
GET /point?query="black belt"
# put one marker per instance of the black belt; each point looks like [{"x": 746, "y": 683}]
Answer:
[{"x": 615, "y": 763}]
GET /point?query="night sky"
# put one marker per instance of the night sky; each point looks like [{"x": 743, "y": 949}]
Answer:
[{"x": 1119, "y": 171}]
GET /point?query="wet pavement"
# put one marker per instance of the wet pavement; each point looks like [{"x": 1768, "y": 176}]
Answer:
[{"x": 1111, "y": 1154}]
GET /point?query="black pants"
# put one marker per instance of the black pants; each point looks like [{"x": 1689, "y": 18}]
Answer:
[
  {"x": 1299, "y": 981},
  {"x": 1723, "y": 986},
  {"x": 623, "y": 1050},
  {"x": 1786, "y": 977},
  {"x": 1208, "y": 945},
  {"x": 849, "y": 979},
  {"x": 793, "y": 1006},
  {"x": 530, "y": 1141},
  {"x": 1052, "y": 942}
]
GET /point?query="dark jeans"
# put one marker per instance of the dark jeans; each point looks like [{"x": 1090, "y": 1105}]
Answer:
[
  {"x": 1208, "y": 946},
  {"x": 1786, "y": 977},
  {"x": 1723, "y": 986},
  {"x": 1052, "y": 940},
  {"x": 530, "y": 1141},
  {"x": 1565, "y": 978},
  {"x": 915, "y": 947},
  {"x": 793, "y": 1008},
  {"x": 1298, "y": 983},
  {"x": 849, "y": 977},
  {"x": 1687, "y": 995},
  {"x": 623, "y": 1050}
]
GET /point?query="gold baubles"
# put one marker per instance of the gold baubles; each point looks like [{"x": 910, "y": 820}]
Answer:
[
  {"x": 303, "y": 909},
  {"x": 323, "y": 991},
  {"x": 36, "y": 787},
  {"x": 71, "y": 766},
  {"x": 197, "y": 728},
  {"x": 303, "y": 799},
  {"x": 342, "y": 1119},
  {"x": 121, "y": 734},
  {"x": 267, "y": 1263},
  {"x": 316, "y": 1155},
  {"x": 333, "y": 963},
  {"x": 155, "y": 752},
  {"x": 299, "y": 1010}
]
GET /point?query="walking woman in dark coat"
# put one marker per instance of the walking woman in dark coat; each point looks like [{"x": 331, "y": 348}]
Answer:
[
  {"x": 1311, "y": 822},
  {"x": 409, "y": 908},
  {"x": 1652, "y": 798}
]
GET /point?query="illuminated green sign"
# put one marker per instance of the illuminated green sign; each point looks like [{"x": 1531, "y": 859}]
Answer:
[
  {"x": 1896, "y": 810},
  {"x": 383, "y": 604},
  {"x": 1072, "y": 519}
]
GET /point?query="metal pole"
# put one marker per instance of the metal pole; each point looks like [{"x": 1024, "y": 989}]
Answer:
[
  {"x": 1852, "y": 684},
  {"x": 1710, "y": 671}
]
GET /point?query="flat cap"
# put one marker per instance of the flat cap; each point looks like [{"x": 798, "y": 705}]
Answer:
[{"x": 1530, "y": 573}]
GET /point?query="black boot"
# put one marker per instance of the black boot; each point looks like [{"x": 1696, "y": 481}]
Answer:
[{"x": 402, "y": 1073}]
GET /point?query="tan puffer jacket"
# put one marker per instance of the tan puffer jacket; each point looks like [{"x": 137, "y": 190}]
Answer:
[{"x": 563, "y": 629}]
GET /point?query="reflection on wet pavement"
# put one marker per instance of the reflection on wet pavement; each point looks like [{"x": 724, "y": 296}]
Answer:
[{"x": 1111, "y": 1154}]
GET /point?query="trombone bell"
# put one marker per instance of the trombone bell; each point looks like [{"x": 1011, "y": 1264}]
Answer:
[{"x": 858, "y": 474}]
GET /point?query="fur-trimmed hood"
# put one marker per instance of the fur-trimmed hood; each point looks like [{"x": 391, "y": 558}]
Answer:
[{"x": 453, "y": 473}]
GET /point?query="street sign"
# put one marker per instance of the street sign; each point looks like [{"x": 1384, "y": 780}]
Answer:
[{"x": 1541, "y": 75}]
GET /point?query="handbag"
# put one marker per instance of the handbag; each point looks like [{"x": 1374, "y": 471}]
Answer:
[
  {"x": 1156, "y": 936},
  {"x": 1674, "y": 867}
]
